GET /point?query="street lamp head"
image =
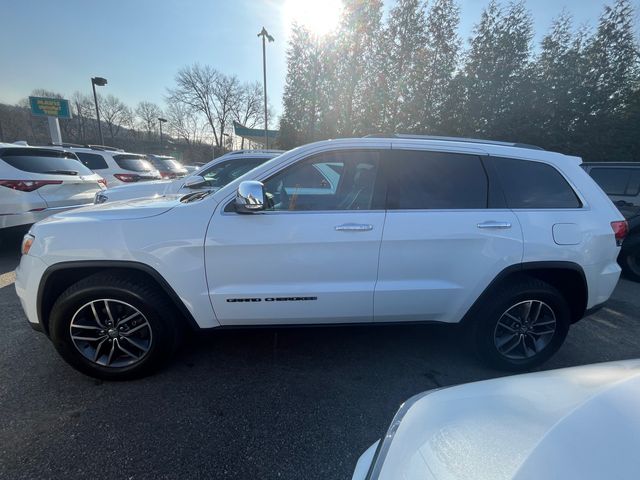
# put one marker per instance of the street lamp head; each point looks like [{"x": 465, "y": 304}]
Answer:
[
  {"x": 162, "y": 120},
  {"x": 263, "y": 33},
  {"x": 100, "y": 81}
]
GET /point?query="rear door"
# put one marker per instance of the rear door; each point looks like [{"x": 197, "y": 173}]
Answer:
[{"x": 447, "y": 235}]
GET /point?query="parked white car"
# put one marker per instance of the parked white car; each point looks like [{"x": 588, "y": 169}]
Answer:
[
  {"x": 116, "y": 166},
  {"x": 36, "y": 182},
  {"x": 168, "y": 166},
  {"x": 212, "y": 176},
  {"x": 514, "y": 243},
  {"x": 575, "y": 423}
]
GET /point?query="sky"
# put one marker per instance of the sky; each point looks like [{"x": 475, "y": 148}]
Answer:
[{"x": 139, "y": 45}]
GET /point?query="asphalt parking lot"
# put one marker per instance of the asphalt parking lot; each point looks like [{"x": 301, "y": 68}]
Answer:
[{"x": 283, "y": 404}]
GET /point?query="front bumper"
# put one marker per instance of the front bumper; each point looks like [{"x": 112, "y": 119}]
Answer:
[{"x": 28, "y": 276}]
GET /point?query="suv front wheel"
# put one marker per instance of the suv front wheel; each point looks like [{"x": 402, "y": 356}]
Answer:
[
  {"x": 114, "y": 327},
  {"x": 521, "y": 325}
]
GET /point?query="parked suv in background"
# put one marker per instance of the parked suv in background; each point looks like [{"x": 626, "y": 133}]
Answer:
[
  {"x": 621, "y": 181},
  {"x": 515, "y": 244},
  {"x": 36, "y": 182},
  {"x": 212, "y": 176},
  {"x": 168, "y": 167},
  {"x": 116, "y": 166}
]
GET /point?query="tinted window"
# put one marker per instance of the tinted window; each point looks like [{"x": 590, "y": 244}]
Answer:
[
  {"x": 528, "y": 184},
  {"x": 92, "y": 160},
  {"x": 434, "y": 180},
  {"x": 617, "y": 181},
  {"x": 44, "y": 161},
  {"x": 343, "y": 180},
  {"x": 136, "y": 163},
  {"x": 224, "y": 172},
  {"x": 167, "y": 164}
]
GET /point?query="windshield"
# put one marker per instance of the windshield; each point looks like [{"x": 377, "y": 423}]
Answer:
[
  {"x": 135, "y": 163},
  {"x": 168, "y": 164},
  {"x": 225, "y": 172},
  {"x": 44, "y": 161}
]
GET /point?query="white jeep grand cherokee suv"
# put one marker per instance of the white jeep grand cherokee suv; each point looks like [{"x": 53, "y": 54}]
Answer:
[{"x": 514, "y": 243}]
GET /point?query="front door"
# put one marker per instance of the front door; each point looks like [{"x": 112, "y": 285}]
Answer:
[{"x": 312, "y": 256}]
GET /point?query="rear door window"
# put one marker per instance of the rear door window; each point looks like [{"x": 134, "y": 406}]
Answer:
[
  {"x": 434, "y": 180},
  {"x": 135, "y": 163},
  {"x": 617, "y": 181},
  {"x": 44, "y": 161},
  {"x": 536, "y": 185},
  {"x": 92, "y": 160}
]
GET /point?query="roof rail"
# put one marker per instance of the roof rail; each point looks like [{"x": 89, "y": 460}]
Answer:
[
  {"x": 104, "y": 147},
  {"x": 454, "y": 139},
  {"x": 65, "y": 145},
  {"x": 254, "y": 150}
]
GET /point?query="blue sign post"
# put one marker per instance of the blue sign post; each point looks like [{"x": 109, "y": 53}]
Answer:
[{"x": 53, "y": 109}]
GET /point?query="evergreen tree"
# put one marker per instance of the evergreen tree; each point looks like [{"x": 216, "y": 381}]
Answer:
[
  {"x": 495, "y": 72},
  {"x": 300, "y": 100},
  {"x": 406, "y": 38},
  {"x": 439, "y": 63},
  {"x": 611, "y": 80},
  {"x": 353, "y": 61}
]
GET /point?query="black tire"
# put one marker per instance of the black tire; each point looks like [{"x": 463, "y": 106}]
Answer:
[
  {"x": 484, "y": 323},
  {"x": 163, "y": 323},
  {"x": 629, "y": 260}
]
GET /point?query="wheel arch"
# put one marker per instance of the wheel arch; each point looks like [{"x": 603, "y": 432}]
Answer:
[
  {"x": 568, "y": 277},
  {"x": 57, "y": 278}
]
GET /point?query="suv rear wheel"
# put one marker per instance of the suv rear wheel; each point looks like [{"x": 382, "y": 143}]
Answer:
[
  {"x": 111, "y": 327},
  {"x": 521, "y": 325}
]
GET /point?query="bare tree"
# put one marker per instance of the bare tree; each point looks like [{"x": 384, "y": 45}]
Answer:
[
  {"x": 248, "y": 110},
  {"x": 148, "y": 114},
  {"x": 115, "y": 114},
  {"x": 213, "y": 94},
  {"x": 185, "y": 122}
]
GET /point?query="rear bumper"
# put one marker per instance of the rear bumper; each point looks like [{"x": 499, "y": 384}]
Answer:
[
  {"x": 602, "y": 279},
  {"x": 27, "y": 218}
]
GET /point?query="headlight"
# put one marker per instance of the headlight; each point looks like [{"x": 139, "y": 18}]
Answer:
[
  {"x": 100, "y": 198},
  {"x": 27, "y": 241}
]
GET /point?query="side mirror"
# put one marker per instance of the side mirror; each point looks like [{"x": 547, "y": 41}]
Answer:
[
  {"x": 250, "y": 197},
  {"x": 196, "y": 181}
]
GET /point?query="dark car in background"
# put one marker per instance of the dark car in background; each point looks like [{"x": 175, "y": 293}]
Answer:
[
  {"x": 168, "y": 167},
  {"x": 621, "y": 182}
]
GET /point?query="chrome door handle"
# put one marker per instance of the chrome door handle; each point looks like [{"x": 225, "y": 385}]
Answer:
[
  {"x": 354, "y": 227},
  {"x": 492, "y": 224}
]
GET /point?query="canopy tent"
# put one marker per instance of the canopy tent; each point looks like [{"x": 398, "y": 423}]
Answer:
[{"x": 255, "y": 135}]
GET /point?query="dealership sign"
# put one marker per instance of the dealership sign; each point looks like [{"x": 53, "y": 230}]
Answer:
[{"x": 50, "y": 107}]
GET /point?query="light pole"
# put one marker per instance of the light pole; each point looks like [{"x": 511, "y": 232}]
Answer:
[
  {"x": 265, "y": 36},
  {"x": 161, "y": 121},
  {"x": 101, "y": 82}
]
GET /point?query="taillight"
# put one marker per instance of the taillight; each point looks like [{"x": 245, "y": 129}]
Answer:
[
  {"x": 167, "y": 175},
  {"x": 620, "y": 230},
  {"x": 102, "y": 182},
  {"x": 127, "y": 177},
  {"x": 27, "y": 185}
]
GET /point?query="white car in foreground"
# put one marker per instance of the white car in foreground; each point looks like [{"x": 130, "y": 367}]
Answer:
[
  {"x": 579, "y": 423},
  {"x": 514, "y": 243},
  {"x": 212, "y": 176},
  {"x": 36, "y": 182}
]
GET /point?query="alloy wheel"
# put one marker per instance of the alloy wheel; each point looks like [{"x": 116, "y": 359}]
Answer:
[
  {"x": 111, "y": 333},
  {"x": 524, "y": 329}
]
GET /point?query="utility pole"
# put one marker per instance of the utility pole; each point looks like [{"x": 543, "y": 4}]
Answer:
[{"x": 265, "y": 36}]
